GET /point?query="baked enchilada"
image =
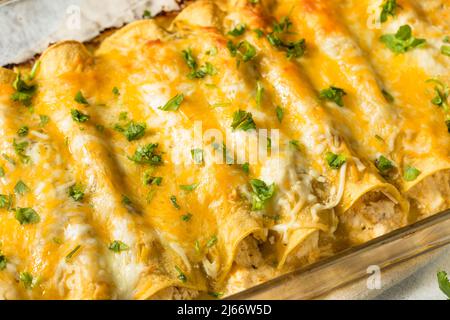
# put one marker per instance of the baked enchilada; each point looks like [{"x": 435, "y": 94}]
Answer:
[{"x": 206, "y": 151}]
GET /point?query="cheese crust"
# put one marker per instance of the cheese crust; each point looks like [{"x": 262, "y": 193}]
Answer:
[{"x": 107, "y": 192}]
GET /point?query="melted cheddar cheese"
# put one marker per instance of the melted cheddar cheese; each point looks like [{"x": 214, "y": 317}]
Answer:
[{"x": 216, "y": 148}]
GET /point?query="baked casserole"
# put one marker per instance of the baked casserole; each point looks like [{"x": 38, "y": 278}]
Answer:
[{"x": 203, "y": 152}]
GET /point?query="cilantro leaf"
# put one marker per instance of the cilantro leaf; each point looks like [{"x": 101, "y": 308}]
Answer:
[
  {"x": 388, "y": 8},
  {"x": 261, "y": 193},
  {"x": 78, "y": 116},
  {"x": 411, "y": 173},
  {"x": 335, "y": 161},
  {"x": 147, "y": 155},
  {"x": 27, "y": 216},
  {"x": 333, "y": 94},
  {"x": 173, "y": 104},
  {"x": 402, "y": 41},
  {"x": 79, "y": 98},
  {"x": 118, "y": 246},
  {"x": 243, "y": 120},
  {"x": 444, "y": 284},
  {"x": 76, "y": 192}
]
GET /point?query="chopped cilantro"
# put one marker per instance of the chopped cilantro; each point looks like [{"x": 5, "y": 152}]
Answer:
[
  {"x": 24, "y": 92},
  {"x": 237, "y": 31},
  {"x": 280, "y": 113},
  {"x": 27, "y": 216},
  {"x": 197, "y": 155},
  {"x": 444, "y": 284},
  {"x": 118, "y": 246},
  {"x": 148, "y": 179},
  {"x": 333, "y": 94},
  {"x": 174, "y": 202},
  {"x": 389, "y": 98},
  {"x": 147, "y": 155},
  {"x": 211, "y": 242},
  {"x": 411, "y": 173},
  {"x": 73, "y": 252},
  {"x": 402, "y": 41},
  {"x": 23, "y": 131},
  {"x": 243, "y": 120},
  {"x": 21, "y": 188},
  {"x": 19, "y": 148},
  {"x": 5, "y": 201},
  {"x": 335, "y": 161},
  {"x": 388, "y": 9},
  {"x": 261, "y": 193},
  {"x": 79, "y": 98},
  {"x": 27, "y": 280},
  {"x": 78, "y": 116},
  {"x": 3, "y": 262},
  {"x": 173, "y": 104},
  {"x": 43, "y": 120},
  {"x": 383, "y": 164},
  {"x": 246, "y": 167},
  {"x": 181, "y": 276},
  {"x": 186, "y": 217},
  {"x": 189, "y": 187},
  {"x": 259, "y": 93},
  {"x": 76, "y": 192},
  {"x": 147, "y": 14}
]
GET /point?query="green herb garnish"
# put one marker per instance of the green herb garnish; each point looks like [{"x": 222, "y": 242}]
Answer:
[
  {"x": 246, "y": 167},
  {"x": 147, "y": 155},
  {"x": 76, "y": 192},
  {"x": 211, "y": 242},
  {"x": 43, "y": 120},
  {"x": 174, "y": 202},
  {"x": 73, "y": 252},
  {"x": 173, "y": 104},
  {"x": 147, "y": 14},
  {"x": 261, "y": 193},
  {"x": 402, "y": 41},
  {"x": 197, "y": 155},
  {"x": 388, "y": 9},
  {"x": 19, "y": 148},
  {"x": 243, "y": 120},
  {"x": 411, "y": 173},
  {"x": 27, "y": 279},
  {"x": 444, "y": 283},
  {"x": 335, "y": 161},
  {"x": 27, "y": 216},
  {"x": 384, "y": 164},
  {"x": 5, "y": 201},
  {"x": 333, "y": 94},
  {"x": 181, "y": 276},
  {"x": 21, "y": 188},
  {"x": 78, "y": 116},
  {"x": 79, "y": 98},
  {"x": 118, "y": 246},
  {"x": 259, "y": 93},
  {"x": 3, "y": 262},
  {"x": 186, "y": 217},
  {"x": 189, "y": 187},
  {"x": 23, "y": 131},
  {"x": 24, "y": 92},
  {"x": 237, "y": 31},
  {"x": 280, "y": 113}
]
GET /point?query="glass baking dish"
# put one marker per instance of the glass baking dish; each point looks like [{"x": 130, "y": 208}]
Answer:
[
  {"x": 353, "y": 264},
  {"x": 320, "y": 278}
]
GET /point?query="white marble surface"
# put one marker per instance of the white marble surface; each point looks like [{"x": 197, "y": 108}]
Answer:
[
  {"x": 422, "y": 284},
  {"x": 29, "y": 26}
]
